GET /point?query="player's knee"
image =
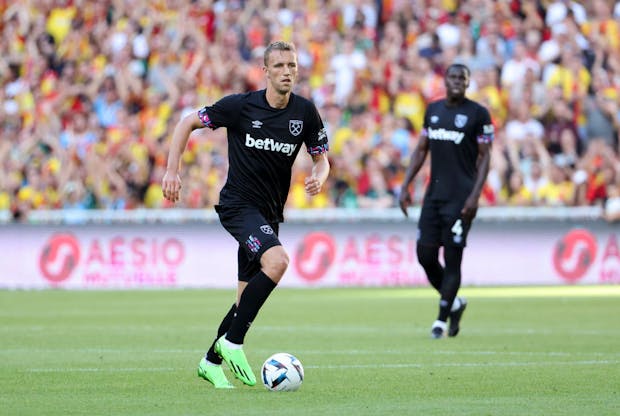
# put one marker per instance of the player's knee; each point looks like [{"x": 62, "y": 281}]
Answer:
[
  {"x": 427, "y": 255},
  {"x": 275, "y": 262}
]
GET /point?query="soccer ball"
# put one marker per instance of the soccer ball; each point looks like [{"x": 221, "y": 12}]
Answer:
[{"x": 282, "y": 372}]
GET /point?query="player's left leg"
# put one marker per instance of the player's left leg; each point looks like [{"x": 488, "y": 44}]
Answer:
[
  {"x": 451, "y": 306},
  {"x": 455, "y": 240}
]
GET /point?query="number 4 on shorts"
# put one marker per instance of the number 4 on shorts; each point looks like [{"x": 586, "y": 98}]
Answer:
[{"x": 457, "y": 228}]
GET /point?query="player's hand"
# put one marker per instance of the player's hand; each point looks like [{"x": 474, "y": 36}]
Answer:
[
  {"x": 171, "y": 186},
  {"x": 404, "y": 201},
  {"x": 468, "y": 213},
  {"x": 312, "y": 185}
]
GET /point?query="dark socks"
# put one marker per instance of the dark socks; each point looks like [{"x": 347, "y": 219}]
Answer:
[
  {"x": 451, "y": 280},
  {"x": 224, "y": 325},
  {"x": 252, "y": 299},
  {"x": 444, "y": 309}
]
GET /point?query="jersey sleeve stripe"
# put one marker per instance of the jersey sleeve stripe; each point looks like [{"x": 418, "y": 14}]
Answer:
[
  {"x": 487, "y": 135},
  {"x": 318, "y": 150},
  {"x": 204, "y": 117},
  {"x": 485, "y": 138}
]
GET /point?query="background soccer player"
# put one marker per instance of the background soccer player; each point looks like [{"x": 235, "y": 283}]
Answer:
[
  {"x": 458, "y": 133},
  {"x": 265, "y": 131}
]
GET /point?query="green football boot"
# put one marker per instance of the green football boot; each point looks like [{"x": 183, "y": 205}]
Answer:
[
  {"x": 236, "y": 361},
  {"x": 214, "y": 375}
]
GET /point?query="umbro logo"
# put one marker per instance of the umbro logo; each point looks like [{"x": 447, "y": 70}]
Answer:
[{"x": 257, "y": 124}]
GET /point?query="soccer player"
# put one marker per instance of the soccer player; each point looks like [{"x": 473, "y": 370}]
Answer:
[
  {"x": 458, "y": 133},
  {"x": 265, "y": 131}
]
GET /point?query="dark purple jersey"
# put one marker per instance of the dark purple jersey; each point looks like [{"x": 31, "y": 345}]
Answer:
[
  {"x": 454, "y": 133},
  {"x": 262, "y": 145}
]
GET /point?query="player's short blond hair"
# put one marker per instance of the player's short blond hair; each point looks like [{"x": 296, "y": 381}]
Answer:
[{"x": 279, "y": 45}]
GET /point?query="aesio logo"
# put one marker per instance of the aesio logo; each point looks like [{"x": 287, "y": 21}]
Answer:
[
  {"x": 59, "y": 257},
  {"x": 315, "y": 255}
]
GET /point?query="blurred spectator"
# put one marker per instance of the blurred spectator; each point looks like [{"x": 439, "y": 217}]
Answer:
[
  {"x": 515, "y": 68},
  {"x": 559, "y": 190},
  {"x": 372, "y": 187},
  {"x": 602, "y": 112},
  {"x": 515, "y": 192},
  {"x": 560, "y": 137},
  {"x": 344, "y": 65},
  {"x": 536, "y": 179},
  {"x": 558, "y": 10},
  {"x": 523, "y": 134},
  {"x": 597, "y": 172}
]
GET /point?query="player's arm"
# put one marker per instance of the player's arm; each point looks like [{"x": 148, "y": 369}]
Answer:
[
  {"x": 320, "y": 171},
  {"x": 415, "y": 163},
  {"x": 484, "y": 161},
  {"x": 171, "y": 183}
]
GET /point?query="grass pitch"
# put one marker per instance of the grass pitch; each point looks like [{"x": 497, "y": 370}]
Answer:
[{"x": 521, "y": 351}]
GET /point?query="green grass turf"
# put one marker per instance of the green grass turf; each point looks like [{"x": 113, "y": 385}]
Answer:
[{"x": 522, "y": 351}]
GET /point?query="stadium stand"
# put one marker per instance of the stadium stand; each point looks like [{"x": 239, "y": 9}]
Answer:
[{"x": 90, "y": 92}]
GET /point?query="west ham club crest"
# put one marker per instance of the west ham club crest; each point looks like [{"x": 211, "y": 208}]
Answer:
[
  {"x": 460, "y": 120},
  {"x": 295, "y": 127}
]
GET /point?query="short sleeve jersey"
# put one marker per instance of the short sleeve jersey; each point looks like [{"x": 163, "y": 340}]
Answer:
[
  {"x": 263, "y": 143},
  {"x": 454, "y": 133}
]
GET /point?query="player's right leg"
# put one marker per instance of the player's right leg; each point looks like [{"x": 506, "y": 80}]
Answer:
[
  {"x": 430, "y": 228},
  {"x": 210, "y": 367},
  {"x": 428, "y": 257},
  {"x": 214, "y": 374},
  {"x": 428, "y": 243},
  {"x": 231, "y": 353}
]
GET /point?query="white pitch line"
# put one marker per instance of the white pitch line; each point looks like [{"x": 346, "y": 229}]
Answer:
[
  {"x": 339, "y": 367},
  {"x": 313, "y": 352},
  {"x": 106, "y": 370},
  {"x": 414, "y": 330},
  {"x": 349, "y": 329},
  {"x": 438, "y": 365}
]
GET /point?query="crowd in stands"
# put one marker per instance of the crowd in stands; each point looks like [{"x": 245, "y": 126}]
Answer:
[{"x": 90, "y": 92}]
